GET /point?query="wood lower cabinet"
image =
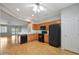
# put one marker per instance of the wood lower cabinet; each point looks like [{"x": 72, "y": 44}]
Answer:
[
  {"x": 46, "y": 38},
  {"x": 32, "y": 37}
]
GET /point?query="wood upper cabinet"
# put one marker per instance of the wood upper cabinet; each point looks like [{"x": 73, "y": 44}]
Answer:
[{"x": 35, "y": 27}]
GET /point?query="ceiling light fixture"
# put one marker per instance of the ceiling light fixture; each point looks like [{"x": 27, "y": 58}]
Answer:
[
  {"x": 17, "y": 9},
  {"x": 32, "y": 15},
  {"x": 38, "y": 8}
]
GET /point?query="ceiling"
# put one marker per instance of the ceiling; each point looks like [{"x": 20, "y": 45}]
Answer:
[{"x": 52, "y": 10}]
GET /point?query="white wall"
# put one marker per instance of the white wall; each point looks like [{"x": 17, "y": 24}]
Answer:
[
  {"x": 24, "y": 30},
  {"x": 70, "y": 28}
]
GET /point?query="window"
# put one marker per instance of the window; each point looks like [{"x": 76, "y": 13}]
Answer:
[
  {"x": 13, "y": 30},
  {"x": 16, "y": 30},
  {"x": 3, "y": 29}
]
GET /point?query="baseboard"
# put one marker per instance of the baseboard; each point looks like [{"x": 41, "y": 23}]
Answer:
[{"x": 72, "y": 52}]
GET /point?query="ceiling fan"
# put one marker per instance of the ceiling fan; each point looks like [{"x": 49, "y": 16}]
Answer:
[{"x": 37, "y": 7}]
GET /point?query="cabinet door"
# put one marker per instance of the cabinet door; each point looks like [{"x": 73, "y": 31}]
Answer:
[
  {"x": 36, "y": 27},
  {"x": 46, "y": 38}
]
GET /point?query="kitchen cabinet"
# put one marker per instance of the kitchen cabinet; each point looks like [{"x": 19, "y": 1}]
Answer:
[
  {"x": 46, "y": 24},
  {"x": 35, "y": 27},
  {"x": 46, "y": 38},
  {"x": 32, "y": 37}
]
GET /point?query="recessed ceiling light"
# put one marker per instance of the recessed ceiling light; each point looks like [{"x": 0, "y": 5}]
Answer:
[
  {"x": 28, "y": 20},
  {"x": 17, "y": 9},
  {"x": 32, "y": 15}
]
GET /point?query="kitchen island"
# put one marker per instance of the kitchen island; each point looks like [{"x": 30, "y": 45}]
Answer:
[{"x": 24, "y": 38}]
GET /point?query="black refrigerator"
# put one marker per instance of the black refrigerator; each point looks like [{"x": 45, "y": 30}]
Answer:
[{"x": 55, "y": 35}]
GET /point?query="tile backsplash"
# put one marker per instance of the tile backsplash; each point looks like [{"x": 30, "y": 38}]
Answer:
[
  {"x": 36, "y": 31},
  {"x": 39, "y": 31}
]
